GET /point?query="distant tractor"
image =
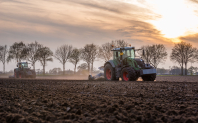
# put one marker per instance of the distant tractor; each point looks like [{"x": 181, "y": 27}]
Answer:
[
  {"x": 23, "y": 71},
  {"x": 126, "y": 66}
]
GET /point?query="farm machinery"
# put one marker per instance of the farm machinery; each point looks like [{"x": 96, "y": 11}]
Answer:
[
  {"x": 23, "y": 71},
  {"x": 126, "y": 66}
]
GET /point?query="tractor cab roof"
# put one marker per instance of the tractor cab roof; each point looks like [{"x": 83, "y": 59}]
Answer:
[
  {"x": 123, "y": 48},
  {"x": 22, "y": 63}
]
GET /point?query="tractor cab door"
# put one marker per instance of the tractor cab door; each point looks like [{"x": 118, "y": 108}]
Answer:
[
  {"x": 127, "y": 56},
  {"x": 116, "y": 58}
]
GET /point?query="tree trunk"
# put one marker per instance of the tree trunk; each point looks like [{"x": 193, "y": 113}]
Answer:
[
  {"x": 34, "y": 66},
  {"x": 44, "y": 68},
  {"x": 185, "y": 68},
  {"x": 75, "y": 68},
  {"x": 63, "y": 69},
  {"x": 88, "y": 67},
  {"x": 91, "y": 67},
  {"x": 3, "y": 67},
  {"x": 182, "y": 69}
]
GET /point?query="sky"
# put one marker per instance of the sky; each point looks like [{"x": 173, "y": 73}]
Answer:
[{"x": 79, "y": 22}]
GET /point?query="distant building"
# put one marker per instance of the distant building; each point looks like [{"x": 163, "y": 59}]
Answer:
[
  {"x": 162, "y": 71},
  {"x": 176, "y": 71},
  {"x": 1, "y": 72}
]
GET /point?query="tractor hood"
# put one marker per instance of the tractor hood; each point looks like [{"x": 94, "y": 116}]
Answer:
[{"x": 140, "y": 62}]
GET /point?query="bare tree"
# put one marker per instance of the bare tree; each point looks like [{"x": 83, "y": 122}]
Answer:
[
  {"x": 94, "y": 52},
  {"x": 189, "y": 54},
  {"x": 44, "y": 54},
  {"x": 31, "y": 50},
  {"x": 120, "y": 43},
  {"x": 3, "y": 55},
  {"x": 177, "y": 54},
  {"x": 147, "y": 56},
  {"x": 154, "y": 54},
  {"x": 86, "y": 55},
  {"x": 183, "y": 53},
  {"x": 16, "y": 52},
  {"x": 75, "y": 57},
  {"x": 89, "y": 54},
  {"x": 104, "y": 51},
  {"x": 159, "y": 54},
  {"x": 63, "y": 53}
]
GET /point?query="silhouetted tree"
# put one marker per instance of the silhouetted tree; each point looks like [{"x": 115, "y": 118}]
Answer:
[
  {"x": 89, "y": 54},
  {"x": 154, "y": 54},
  {"x": 75, "y": 57},
  {"x": 183, "y": 53},
  {"x": 120, "y": 43},
  {"x": 63, "y": 53},
  {"x": 31, "y": 51},
  {"x": 189, "y": 54},
  {"x": 3, "y": 55},
  {"x": 16, "y": 52},
  {"x": 44, "y": 54},
  {"x": 104, "y": 51}
]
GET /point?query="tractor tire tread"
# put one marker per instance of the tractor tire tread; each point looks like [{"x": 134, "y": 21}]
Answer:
[
  {"x": 131, "y": 73},
  {"x": 113, "y": 76},
  {"x": 150, "y": 77}
]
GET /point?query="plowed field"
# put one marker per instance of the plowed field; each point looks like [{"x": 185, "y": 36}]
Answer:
[{"x": 169, "y": 99}]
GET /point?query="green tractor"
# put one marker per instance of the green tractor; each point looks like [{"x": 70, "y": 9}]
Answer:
[
  {"x": 23, "y": 71},
  {"x": 126, "y": 66}
]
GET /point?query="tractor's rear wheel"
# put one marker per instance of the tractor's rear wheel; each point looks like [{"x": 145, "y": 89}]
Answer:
[
  {"x": 150, "y": 77},
  {"x": 128, "y": 74},
  {"x": 109, "y": 73}
]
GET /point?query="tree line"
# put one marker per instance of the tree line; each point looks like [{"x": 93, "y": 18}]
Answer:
[{"x": 182, "y": 53}]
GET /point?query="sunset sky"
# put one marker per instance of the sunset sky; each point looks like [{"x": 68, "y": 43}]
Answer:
[{"x": 79, "y": 22}]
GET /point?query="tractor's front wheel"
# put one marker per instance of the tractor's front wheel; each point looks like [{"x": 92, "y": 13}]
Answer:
[
  {"x": 150, "y": 77},
  {"x": 109, "y": 73},
  {"x": 128, "y": 74}
]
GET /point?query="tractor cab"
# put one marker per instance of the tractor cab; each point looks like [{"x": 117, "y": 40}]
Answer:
[
  {"x": 123, "y": 53},
  {"x": 22, "y": 65}
]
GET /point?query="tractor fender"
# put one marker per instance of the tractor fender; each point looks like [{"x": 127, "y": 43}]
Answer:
[{"x": 111, "y": 63}]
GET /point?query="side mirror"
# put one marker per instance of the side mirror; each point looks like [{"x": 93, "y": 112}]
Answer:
[
  {"x": 116, "y": 54},
  {"x": 143, "y": 52}
]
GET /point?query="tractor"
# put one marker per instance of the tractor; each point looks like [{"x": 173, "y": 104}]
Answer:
[
  {"x": 127, "y": 66},
  {"x": 23, "y": 71}
]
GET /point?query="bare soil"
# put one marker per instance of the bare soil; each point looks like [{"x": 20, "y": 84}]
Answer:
[{"x": 46, "y": 100}]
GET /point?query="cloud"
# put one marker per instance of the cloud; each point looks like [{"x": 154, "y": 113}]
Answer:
[
  {"x": 191, "y": 38},
  {"x": 195, "y": 1}
]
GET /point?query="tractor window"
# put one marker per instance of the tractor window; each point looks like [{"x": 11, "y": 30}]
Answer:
[
  {"x": 25, "y": 65},
  {"x": 128, "y": 53},
  {"x": 114, "y": 55}
]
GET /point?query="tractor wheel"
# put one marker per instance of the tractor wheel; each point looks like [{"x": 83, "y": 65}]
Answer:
[
  {"x": 128, "y": 74},
  {"x": 109, "y": 73},
  {"x": 15, "y": 75},
  {"x": 150, "y": 77}
]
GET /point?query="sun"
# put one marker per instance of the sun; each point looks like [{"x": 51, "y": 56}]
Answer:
[{"x": 178, "y": 18}]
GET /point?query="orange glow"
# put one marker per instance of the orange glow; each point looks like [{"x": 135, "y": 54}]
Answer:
[{"x": 178, "y": 18}]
